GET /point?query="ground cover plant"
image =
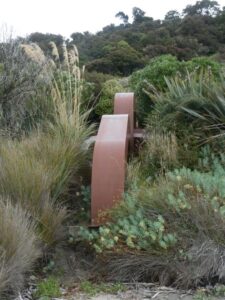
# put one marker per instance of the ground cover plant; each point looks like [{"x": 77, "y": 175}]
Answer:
[{"x": 170, "y": 230}]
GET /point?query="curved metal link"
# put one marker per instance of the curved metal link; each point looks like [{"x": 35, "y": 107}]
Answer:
[
  {"x": 110, "y": 156},
  {"x": 109, "y": 165},
  {"x": 124, "y": 104}
]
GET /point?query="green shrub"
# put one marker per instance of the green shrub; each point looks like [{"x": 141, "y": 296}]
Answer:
[
  {"x": 23, "y": 88},
  {"x": 105, "y": 104},
  {"x": 192, "y": 108},
  {"x": 152, "y": 78},
  {"x": 204, "y": 63},
  {"x": 18, "y": 247}
]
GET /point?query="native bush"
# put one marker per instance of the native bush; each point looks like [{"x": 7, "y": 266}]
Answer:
[
  {"x": 24, "y": 79},
  {"x": 152, "y": 78},
  {"x": 192, "y": 108},
  {"x": 105, "y": 104}
]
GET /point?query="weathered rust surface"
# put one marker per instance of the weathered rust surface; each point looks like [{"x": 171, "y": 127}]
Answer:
[
  {"x": 124, "y": 104},
  {"x": 109, "y": 165}
]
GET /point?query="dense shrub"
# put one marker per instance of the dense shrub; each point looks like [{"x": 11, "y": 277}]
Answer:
[
  {"x": 18, "y": 247},
  {"x": 105, "y": 104},
  {"x": 23, "y": 87},
  {"x": 93, "y": 86},
  {"x": 191, "y": 105},
  {"x": 152, "y": 77}
]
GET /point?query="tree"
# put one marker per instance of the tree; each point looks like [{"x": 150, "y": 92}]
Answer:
[
  {"x": 138, "y": 14},
  {"x": 172, "y": 16},
  {"x": 121, "y": 15},
  {"x": 120, "y": 59},
  {"x": 203, "y": 7}
]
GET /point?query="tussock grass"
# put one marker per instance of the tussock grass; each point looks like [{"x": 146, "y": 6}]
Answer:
[
  {"x": 159, "y": 153},
  {"x": 18, "y": 247},
  {"x": 38, "y": 167},
  {"x": 37, "y": 170}
]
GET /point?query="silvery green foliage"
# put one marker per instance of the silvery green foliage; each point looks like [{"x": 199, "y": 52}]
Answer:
[{"x": 21, "y": 79}]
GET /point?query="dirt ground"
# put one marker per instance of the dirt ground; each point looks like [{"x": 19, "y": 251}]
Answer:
[
  {"x": 139, "y": 294},
  {"x": 143, "y": 293}
]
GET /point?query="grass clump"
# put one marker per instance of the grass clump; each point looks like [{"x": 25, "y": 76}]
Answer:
[
  {"x": 39, "y": 165},
  {"x": 159, "y": 153},
  {"x": 215, "y": 292},
  {"x": 37, "y": 170},
  {"x": 19, "y": 247},
  {"x": 48, "y": 289}
]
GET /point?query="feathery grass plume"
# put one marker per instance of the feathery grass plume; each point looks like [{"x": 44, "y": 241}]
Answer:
[
  {"x": 76, "y": 72},
  {"x": 66, "y": 92},
  {"x": 83, "y": 71},
  {"x": 65, "y": 56},
  {"x": 76, "y": 51},
  {"x": 34, "y": 52},
  {"x": 72, "y": 57},
  {"x": 18, "y": 247},
  {"x": 55, "y": 52}
]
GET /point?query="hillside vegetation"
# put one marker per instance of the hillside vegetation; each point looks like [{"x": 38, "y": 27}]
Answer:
[
  {"x": 196, "y": 31},
  {"x": 169, "y": 226}
]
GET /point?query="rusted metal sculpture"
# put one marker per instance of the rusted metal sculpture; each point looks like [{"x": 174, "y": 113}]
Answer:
[
  {"x": 110, "y": 156},
  {"x": 124, "y": 104},
  {"x": 109, "y": 165}
]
